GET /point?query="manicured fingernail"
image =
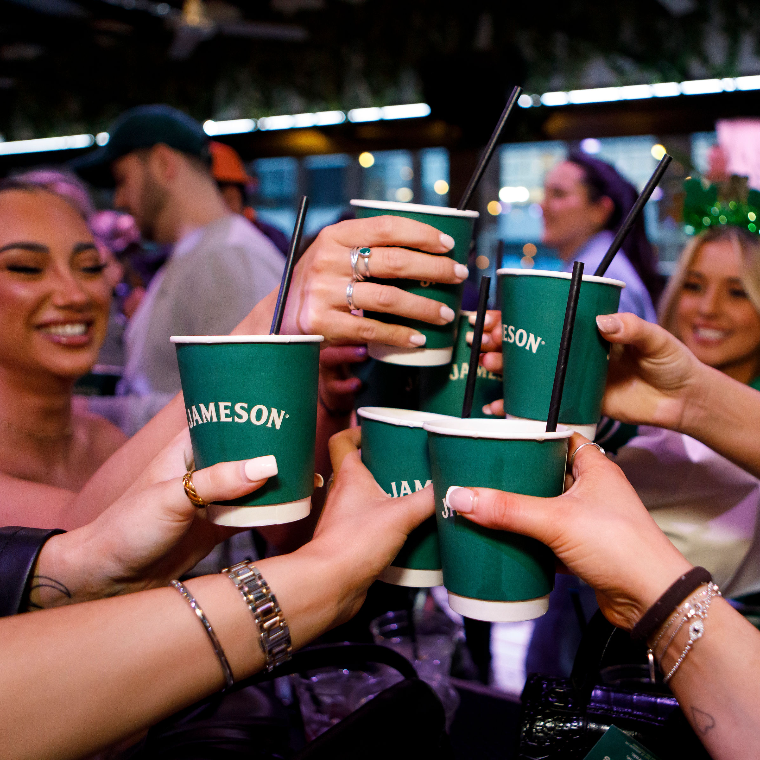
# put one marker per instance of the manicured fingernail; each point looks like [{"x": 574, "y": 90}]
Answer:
[
  {"x": 418, "y": 340},
  {"x": 447, "y": 314},
  {"x": 319, "y": 481},
  {"x": 462, "y": 272},
  {"x": 469, "y": 338},
  {"x": 261, "y": 467},
  {"x": 487, "y": 410},
  {"x": 472, "y": 319},
  {"x": 488, "y": 324},
  {"x": 461, "y": 499},
  {"x": 609, "y": 324},
  {"x": 446, "y": 241}
]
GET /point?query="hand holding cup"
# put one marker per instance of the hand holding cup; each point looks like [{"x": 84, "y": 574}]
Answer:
[{"x": 317, "y": 301}]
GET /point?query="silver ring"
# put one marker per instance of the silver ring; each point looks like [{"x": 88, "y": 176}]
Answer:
[
  {"x": 364, "y": 253},
  {"x": 350, "y": 296},
  {"x": 588, "y": 443}
]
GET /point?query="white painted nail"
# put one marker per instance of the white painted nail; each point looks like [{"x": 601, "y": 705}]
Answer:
[
  {"x": 472, "y": 319},
  {"x": 447, "y": 313},
  {"x": 261, "y": 467},
  {"x": 469, "y": 338},
  {"x": 447, "y": 241},
  {"x": 461, "y": 271},
  {"x": 418, "y": 340},
  {"x": 487, "y": 410}
]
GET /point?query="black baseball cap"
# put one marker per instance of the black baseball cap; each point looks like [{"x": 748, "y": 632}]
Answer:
[{"x": 143, "y": 127}]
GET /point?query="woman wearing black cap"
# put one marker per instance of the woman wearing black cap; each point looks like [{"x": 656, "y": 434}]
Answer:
[{"x": 585, "y": 202}]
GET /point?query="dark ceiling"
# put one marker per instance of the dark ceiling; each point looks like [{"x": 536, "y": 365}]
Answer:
[{"x": 70, "y": 66}]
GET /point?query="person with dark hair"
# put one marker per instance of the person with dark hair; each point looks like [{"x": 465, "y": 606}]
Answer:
[
  {"x": 159, "y": 162},
  {"x": 54, "y": 302},
  {"x": 585, "y": 203}
]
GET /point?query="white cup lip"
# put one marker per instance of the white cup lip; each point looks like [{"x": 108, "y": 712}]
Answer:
[
  {"x": 399, "y": 417},
  {"x": 508, "y": 430},
  {"x": 560, "y": 275},
  {"x": 415, "y": 207},
  {"x": 214, "y": 339}
]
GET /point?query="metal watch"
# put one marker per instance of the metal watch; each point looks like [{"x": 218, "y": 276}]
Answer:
[{"x": 274, "y": 634}]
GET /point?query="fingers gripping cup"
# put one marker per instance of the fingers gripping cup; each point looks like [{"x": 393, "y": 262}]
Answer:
[
  {"x": 247, "y": 396},
  {"x": 394, "y": 450},
  {"x": 442, "y": 388},
  {"x": 532, "y": 313},
  {"x": 490, "y": 574},
  {"x": 439, "y": 339}
]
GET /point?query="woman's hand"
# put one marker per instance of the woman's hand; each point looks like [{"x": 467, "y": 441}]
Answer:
[
  {"x": 361, "y": 528},
  {"x": 598, "y": 528},
  {"x": 317, "y": 300},
  {"x": 151, "y": 535},
  {"x": 491, "y": 357},
  {"x": 337, "y": 386},
  {"x": 653, "y": 378}
]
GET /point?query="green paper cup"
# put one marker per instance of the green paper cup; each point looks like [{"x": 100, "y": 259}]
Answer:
[
  {"x": 491, "y": 574},
  {"x": 532, "y": 314},
  {"x": 394, "y": 450},
  {"x": 247, "y": 396},
  {"x": 439, "y": 344},
  {"x": 442, "y": 388}
]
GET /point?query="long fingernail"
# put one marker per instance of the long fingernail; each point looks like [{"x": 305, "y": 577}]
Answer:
[
  {"x": 609, "y": 324},
  {"x": 487, "y": 410},
  {"x": 461, "y": 499},
  {"x": 446, "y": 241},
  {"x": 418, "y": 340},
  {"x": 447, "y": 314},
  {"x": 461, "y": 271},
  {"x": 261, "y": 467}
]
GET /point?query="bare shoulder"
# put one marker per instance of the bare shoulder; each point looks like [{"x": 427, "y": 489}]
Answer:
[
  {"x": 97, "y": 437},
  {"x": 34, "y": 505}
]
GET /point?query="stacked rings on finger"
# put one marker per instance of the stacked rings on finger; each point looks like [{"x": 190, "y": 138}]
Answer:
[
  {"x": 350, "y": 296},
  {"x": 360, "y": 254},
  {"x": 191, "y": 493}
]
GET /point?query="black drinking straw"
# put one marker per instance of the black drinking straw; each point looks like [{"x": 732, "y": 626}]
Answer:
[
  {"x": 633, "y": 215},
  {"x": 488, "y": 152},
  {"x": 477, "y": 340},
  {"x": 287, "y": 274},
  {"x": 564, "y": 347}
]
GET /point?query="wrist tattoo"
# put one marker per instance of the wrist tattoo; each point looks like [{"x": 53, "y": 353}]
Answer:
[
  {"x": 704, "y": 722},
  {"x": 50, "y": 588}
]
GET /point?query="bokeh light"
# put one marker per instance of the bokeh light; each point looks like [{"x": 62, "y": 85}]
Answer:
[
  {"x": 658, "y": 151},
  {"x": 494, "y": 208},
  {"x": 441, "y": 186},
  {"x": 482, "y": 262},
  {"x": 404, "y": 194},
  {"x": 366, "y": 159}
]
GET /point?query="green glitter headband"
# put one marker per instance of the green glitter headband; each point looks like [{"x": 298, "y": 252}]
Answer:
[{"x": 727, "y": 203}]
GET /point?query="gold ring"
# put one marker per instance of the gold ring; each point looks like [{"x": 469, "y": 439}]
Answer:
[{"x": 192, "y": 494}]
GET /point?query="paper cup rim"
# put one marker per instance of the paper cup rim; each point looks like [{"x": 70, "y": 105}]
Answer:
[
  {"x": 217, "y": 339},
  {"x": 561, "y": 275},
  {"x": 399, "y": 417},
  {"x": 416, "y": 208},
  {"x": 508, "y": 430}
]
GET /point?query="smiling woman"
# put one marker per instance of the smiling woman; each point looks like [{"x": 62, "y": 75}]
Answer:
[
  {"x": 712, "y": 302},
  {"x": 54, "y": 301}
]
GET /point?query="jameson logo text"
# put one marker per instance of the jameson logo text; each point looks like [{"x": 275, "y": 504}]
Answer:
[
  {"x": 405, "y": 489},
  {"x": 460, "y": 372},
  {"x": 447, "y": 511},
  {"x": 258, "y": 414},
  {"x": 522, "y": 338}
]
